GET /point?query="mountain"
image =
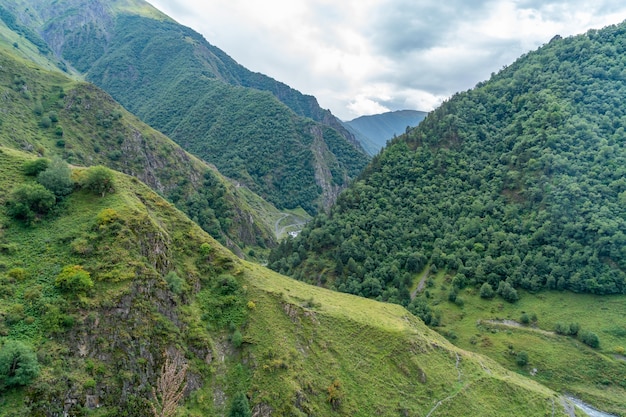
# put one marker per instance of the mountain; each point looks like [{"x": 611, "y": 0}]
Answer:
[
  {"x": 514, "y": 187},
  {"x": 112, "y": 299},
  {"x": 256, "y": 130},
  {"x": 374, "y": 131},
  {"x": 47, "y": 113}
]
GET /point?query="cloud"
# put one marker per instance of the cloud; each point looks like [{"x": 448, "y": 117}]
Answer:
[{"x": 364, "y": 56}]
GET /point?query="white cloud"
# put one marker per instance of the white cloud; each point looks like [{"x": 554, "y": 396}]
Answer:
[{"x": 364, "y": 56}]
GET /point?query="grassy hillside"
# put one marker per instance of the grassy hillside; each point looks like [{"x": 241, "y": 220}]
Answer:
[
  {"x": 49, "y": 114},
  {"x": 514, "y": 187},
  {"x": 103, "y": 289},
  {"x": 256, "y": 130}
]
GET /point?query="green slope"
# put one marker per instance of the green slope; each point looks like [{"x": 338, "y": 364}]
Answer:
[
  {"x": 254, "y": 129},
  {"x": 161, "y": 284},
  {"x": 49, "y": 114},
  {"x": 517, "y": 185}
]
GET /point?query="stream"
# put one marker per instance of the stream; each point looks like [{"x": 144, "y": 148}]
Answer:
[{"x": 589, "y": 410}]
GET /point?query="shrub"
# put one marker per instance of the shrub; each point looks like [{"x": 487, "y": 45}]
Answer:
[
  {"x": 524, "y": 319},
  {"x": 57, "y": 178},
  {"x": 486, "y": 291},
  {"x": 573, "y": 329},
  {"x": 240, "y": 406},
  {"x": 174, "y": 282},
  {"x": 29, "y": 200},
  {"x": 506, "y": 291},
  {"x": 205, "y": 249},
  {"x": 18, "y": 364},
  {"x": 98, "y": 179},
  {"x": 521, "y": 358},
  {"x": 107, "y": 216},
  {"x": 34, "y": 167},
  {"x": 561, "y": 328},
  {"x": 18, "y": 274},
  {"x": 237, "y": 339},
  {"x": 74, "y": 279},
  {"x": 590, "y": 339}
]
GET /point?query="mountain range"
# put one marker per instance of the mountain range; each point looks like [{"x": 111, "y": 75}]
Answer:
[
  {"x": 374, "y": 131},
  {"x": 171, "y": 77},
  {"x": 123, "y": 291}
]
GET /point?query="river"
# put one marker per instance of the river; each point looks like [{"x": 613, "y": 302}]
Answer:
[{"x": 589, "y": 410}]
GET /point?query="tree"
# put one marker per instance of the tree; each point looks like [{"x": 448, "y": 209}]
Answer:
[
  {"x": 18, "y": 364},
  {"x": 506, "y": 291},
  {"x": 486, "y": 291},
  {"x": 29, "y": 200},
  {"x": 34, "y": 167},
  {"x": 57, "y": 178},
  {"x": 98, "y": 179},
  {"x": 170, "y": 387},
  {"x": 240, "y": 406}
]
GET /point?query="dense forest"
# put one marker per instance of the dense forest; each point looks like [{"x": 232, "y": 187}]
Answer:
[
  {"x": 255, "y": 130},
  {"x": 517, "y": 183}
]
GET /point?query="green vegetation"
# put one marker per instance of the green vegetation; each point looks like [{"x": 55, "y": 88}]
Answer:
[
  {"x": 97, "y": 131},
  {"x": 518, "y": 183},
  {"x": 511, "y": 189},
  {"x": 18, "y": 364},
  {"x": 255, "y": 130},
  {"x": 95, "y": 302}
]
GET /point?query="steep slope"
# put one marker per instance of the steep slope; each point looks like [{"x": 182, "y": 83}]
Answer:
[
  {"x": 49, "y": 114},
  {"x": 253, "y": 128},
  {"x": 105, "y": 289},
  {"x": 517, "y": 184},
  {"x": 374, "y": 131}
]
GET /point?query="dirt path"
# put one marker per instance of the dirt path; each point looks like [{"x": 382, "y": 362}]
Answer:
[
  {"x": 513, "y": 323},
  {"x": 296, "y": 222},
  {"x": 421, "y": 284}
]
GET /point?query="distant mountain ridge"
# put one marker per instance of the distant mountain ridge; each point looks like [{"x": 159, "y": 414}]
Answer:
[
  {"x": 256, "y": 130},
  {"x": 374, "y": 131}
]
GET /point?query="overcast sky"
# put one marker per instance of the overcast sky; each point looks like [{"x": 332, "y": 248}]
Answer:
[{"x": 370, "y": 56}]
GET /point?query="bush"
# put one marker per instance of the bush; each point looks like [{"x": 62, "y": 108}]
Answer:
[
  {"x": 18, "y": 364},
  {"x": 506, "y": 291},
  {"x": 237, "y": 339},
  {"x": 486, "y": 291},
  {"x": 590, "y": 339},
  {"x": 174, "y": 282},
  {"x": 240, "y": 406},
  {"x": 521, "y": 358},
  {"x": 524, "y": 319},
  {"x": 29, "y": 200},
  {"x": 57, "y": 178},
  {"x": 74, "y": 279},
  {"x": 34, "y": 167},
  {"x": 98, "y": 179}
]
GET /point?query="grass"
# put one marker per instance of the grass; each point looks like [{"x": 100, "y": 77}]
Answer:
[
  {"x": 303, "y": 350},
  {"x": 562, "y": 363}
]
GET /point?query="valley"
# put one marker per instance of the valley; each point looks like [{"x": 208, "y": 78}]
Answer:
[{"x": 475, "y": 265}]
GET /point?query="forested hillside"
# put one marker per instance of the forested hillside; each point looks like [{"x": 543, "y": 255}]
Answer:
[
  {"x": 48, "y": 114},
  {"x": 517, "y": 183},
  {"x": 254, "y": 129}
]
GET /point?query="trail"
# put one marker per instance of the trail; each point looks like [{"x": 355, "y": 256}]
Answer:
[
  {"x": 513, "y": 323},
  {"x": 296, "y": 222},
  {"x": 421, "y": 284}
]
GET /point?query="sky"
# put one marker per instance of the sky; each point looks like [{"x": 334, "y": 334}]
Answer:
[{"x": 360, "y": 57}]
